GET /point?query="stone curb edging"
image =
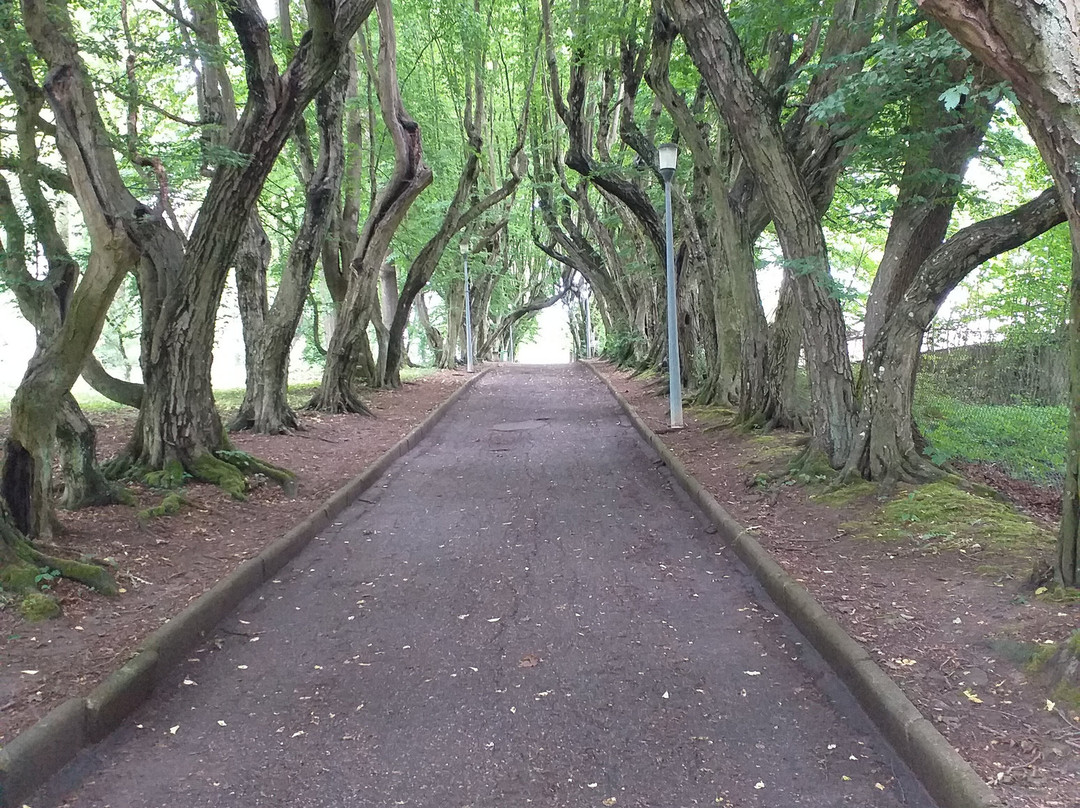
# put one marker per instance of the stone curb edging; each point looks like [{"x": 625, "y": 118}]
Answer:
[
  {"x": 37, "y": 753},
  {"x": 948, "y": 778}
]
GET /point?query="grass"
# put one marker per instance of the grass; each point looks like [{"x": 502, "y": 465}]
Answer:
[
  {"x": 228, "y": 400},
  {"x": 1027, "y": 441}
]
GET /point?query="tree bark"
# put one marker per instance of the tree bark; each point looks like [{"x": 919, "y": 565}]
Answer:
[
  {"x": 1034, "y": 47},
  {"x": 753, "y": 123},
  {"x": 411, "y": 176},
  {"x": 266, "y": 407}
]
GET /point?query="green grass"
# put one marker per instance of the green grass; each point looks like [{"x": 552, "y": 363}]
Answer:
[
  {"x": 1027, "y": 441},
  {"x": 228, "y": 400}
]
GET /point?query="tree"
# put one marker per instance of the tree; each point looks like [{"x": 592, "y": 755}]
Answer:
[
  {"x": 179, "y": 425},
  {"x": 1033, "y": 46}
]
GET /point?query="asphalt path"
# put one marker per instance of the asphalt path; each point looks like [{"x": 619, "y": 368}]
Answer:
[{"x": 525, "y": 611}]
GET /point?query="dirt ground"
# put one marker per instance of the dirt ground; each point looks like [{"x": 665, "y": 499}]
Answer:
[
  {"x": 940, "y": 622},
  {"x": 165, "y": 563}
]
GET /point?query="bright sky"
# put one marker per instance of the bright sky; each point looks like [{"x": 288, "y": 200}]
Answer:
[{"x": 552, "y": 343}]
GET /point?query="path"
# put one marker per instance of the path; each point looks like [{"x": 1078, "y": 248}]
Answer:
[{"x": 523, "y": 612}]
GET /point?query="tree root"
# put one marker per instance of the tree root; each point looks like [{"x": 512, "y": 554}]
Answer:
[
  {"x": 249, "y": 464},
  {"x": 338, "y": 402},
  {"x": 21, "y": 562}
]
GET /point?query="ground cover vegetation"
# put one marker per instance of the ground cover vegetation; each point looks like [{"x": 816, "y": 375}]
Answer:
[{"x": 845, "y": 168}]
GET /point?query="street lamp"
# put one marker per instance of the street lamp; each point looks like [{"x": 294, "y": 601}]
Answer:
[
  {"x": 463, "y": 248},
  {"x": 668, "y": 154}
]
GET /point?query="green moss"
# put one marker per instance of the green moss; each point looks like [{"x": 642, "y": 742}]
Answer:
[
  {"x": 220, "y": 473},
  {"x": 1041, "y": 657},
  {"x": 943, "y": 516},
  {"x": 89, "y": 574},
  {"x": 774, "y": 447},
  {"x": 712, "y": 414},
  {"x": 1073, "y": 643},
  {"x": 1019, "y": 653},
  {"x": 845, "y": 494},
  {"x": 172, "y": 476},
  {"x": 170, "y": 504},
  {"x": 18, "y": 577},
  {"x": 38, "y": 606},
  {"x": 1068, "y": 694}
]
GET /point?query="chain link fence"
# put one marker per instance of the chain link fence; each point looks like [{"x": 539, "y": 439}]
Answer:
[{"x": 983, "y": 399}]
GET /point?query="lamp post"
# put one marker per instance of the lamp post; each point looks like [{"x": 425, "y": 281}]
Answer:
[
  {"x": 463, "y": 248},
  {"x": 588, "y": 325},
  {"x": 668, "y": 153}
]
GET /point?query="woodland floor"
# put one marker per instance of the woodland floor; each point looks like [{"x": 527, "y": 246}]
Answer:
[
  {"x": 942, "y": 619},
  {"x": 165, "y": 563},
  {"x": 939, "y": 617}
]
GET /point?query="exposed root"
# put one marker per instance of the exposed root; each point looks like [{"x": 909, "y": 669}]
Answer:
[
  {"x": 249, "y": 465},
  {"x": 21, "y": 563},
  {"x": 337, "y": 402}
]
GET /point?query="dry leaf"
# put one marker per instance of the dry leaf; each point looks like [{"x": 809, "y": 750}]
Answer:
[{"x": 529, "y": 661}]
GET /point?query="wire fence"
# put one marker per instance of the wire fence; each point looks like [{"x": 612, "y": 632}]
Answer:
[{"x": 983, "y": 399}]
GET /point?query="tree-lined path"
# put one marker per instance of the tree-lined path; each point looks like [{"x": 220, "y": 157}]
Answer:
[{"x": 524, "y": 611}]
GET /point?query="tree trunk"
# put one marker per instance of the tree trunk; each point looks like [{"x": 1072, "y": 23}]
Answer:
[
  {"x": 266, "y": 407},
  {"x": 750, "y": 117},
  {"x": 885, "y": 447},
  {"x": 1033, "y": 45},
  {"x": 411, "y": 176}
]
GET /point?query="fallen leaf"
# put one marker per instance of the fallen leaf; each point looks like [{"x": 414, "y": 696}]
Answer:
[
  {"x": 494, "y": 619},
  {"x": 221, "y": 723},
  {"x": 593, "y": 785},
  {"x": 845, "y": 777},
  {"x": 759, "y": 784},
  {"x": 462, "y": 616},
  {"x": 609, "y": 801},
  {"x": 172, "y": 730},
  {"x": 29, "y": 673},
  {"x": 879, "y": 786},
  {"x": 752, "y": 673},
  {"x": 529, "y": 661},
  {"x": 973, "y": 697},
  {"x": 1041, "y": 590},
  {"x": 297, "y": 733},
  {"x": 1050, "y": 706},
  {"x": 666, "y": 694},
  {"x": 190, "y": 682}
]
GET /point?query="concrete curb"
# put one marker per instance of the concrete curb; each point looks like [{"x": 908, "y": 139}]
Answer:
[
  {"x": 37, "y": 753},
  {"x": 948, "y": 778}
]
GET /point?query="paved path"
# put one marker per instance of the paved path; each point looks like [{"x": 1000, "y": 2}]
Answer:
[{"x": 523, "y": 612}]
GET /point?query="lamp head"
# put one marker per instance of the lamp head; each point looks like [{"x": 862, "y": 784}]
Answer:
[
  {"x": 668, "y": 154},
  {"x": 463, "y": 248}
]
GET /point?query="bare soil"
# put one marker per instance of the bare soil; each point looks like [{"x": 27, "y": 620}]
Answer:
[
  {"x": 943, "y": 623},
  {"x": 163, "y": 564}
]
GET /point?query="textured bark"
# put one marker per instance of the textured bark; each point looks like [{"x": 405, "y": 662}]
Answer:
[
  {"x": 68, "y": 317},
  {"x": 266, "y": 408},
  {"x": 411, "y": 176},
  {"x": 182, "y": 280},
  {"x": 1034, "y": 46},
  {"x": 884, "y": 448},
  {"x": 745, "y": 107},
  {"x": 941, "y": 143}
]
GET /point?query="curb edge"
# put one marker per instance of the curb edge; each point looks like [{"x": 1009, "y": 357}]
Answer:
[
  {"x": 939, "y": 767},
  {"x": 34, "y": 755}
]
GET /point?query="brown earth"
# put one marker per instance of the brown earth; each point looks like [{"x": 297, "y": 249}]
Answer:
[
  {"x": 941, "y": 622},
  {"x": 163, "y": 564}
]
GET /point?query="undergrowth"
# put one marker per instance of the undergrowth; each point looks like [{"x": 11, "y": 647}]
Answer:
[{"x": 1027, "y": 441}]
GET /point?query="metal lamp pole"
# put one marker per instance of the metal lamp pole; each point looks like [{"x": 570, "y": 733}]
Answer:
[
  {"x": 668, "y": 153},
  {"x": 463, "y": 247},
  {"x": 588, "y": 326}
]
